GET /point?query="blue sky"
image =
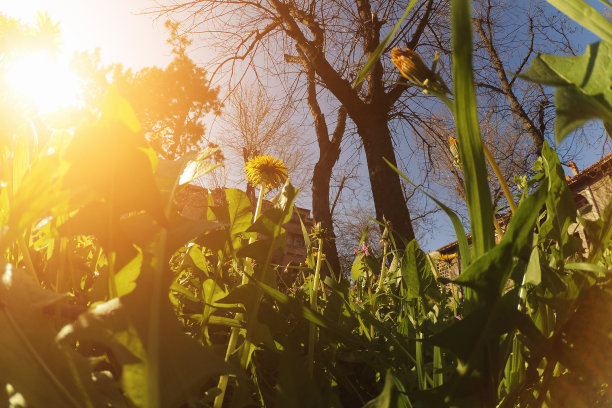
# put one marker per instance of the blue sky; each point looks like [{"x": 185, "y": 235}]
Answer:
[{"x": 126, "y": 36}]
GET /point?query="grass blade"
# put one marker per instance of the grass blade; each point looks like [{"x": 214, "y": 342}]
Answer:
[
  {"x": 464, "y": 249},
  {"x": 478, "y": 195},
  {"x": 381, "y": 47}
]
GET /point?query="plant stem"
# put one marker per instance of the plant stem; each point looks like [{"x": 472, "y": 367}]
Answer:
[
  {"x": 502, "y": 181},
  {"x": 438, "y": 376},
  {"x": 218, "y": 403},
  {"x": 500, "y": 177},
  {"x": 372, "y": 309},
  {"x": 383, "y": 270},
  {"x": 312, "y": 332},
  {"x": 498, "y": 229}
]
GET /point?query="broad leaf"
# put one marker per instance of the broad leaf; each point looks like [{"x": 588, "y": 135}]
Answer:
[
  {"x": 108, "y": 159},
  {"x": 587, "y": 16},
  {"x": 164, "y": 370},
  {"x": 583, "y": 86},
  {"x": 125, "y": 279},
  {"x": 198, "y": 166},
  {"x": 359, "y": 265},
  {"x": 560, "y": 205},
  {"x": 239, "y": 209},
  {"x": 416, "y": 271},
  {"x": 489, "y": 273},
  {"x": 46, "y": 373},
  {"x": 533, "y": 274}
]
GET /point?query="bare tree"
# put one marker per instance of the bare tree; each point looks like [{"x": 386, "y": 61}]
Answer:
[
  {"x": 329, "y": 153},
  {"x": 334, "y": 38},
  {"x": 255, "y": 123}
]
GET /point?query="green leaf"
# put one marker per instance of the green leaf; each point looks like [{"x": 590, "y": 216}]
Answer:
[
  {"x": 373, "y": 60},
  {"x": 108, "y": 161},
  {"x": 96, "y": 219},
  {"x": 40, "y": 194},
  {"x": 560, "y": 205},
  {"x": 311, "y": 315},
  {"x": 198, "y": 166},
  {"x": 489, "y": 273},
  {"x": 467, "y": 338},
  {"x": 181, "y": 230},
  {"x": 198, "y": 258},
  {"x": 124, "y": 325},
  {"x": 125, "y": 279},
  {"x": 239, "y": 209},
  {"x": 587, "y": 16},
  {"x": 474, "y": 167},
  {"x": 602, "y": 234},
  {"x": 116, "y": 109},
  {"x": 598, "y": 270},
  {"x": 46, "y": 373},
  {"x": 296, "y": 388},
  {"x": 417, "y": 276},
  {"x": 533, "y": 274},
  {"x": 390, "y": 396},
  {"x": 359, "y": 265},
  {"x": 284, "y": 201},
  {"x": 211, "y": 293},
  {"x": 583, "y": 86}
]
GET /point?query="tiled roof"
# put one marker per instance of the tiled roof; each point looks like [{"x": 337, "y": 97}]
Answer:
[{"x": 589, "y": 175}]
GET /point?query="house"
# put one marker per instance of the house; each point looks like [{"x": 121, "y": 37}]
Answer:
[
  {"x": 592, "y": 190},
  {"x": 192, "y": 202}
]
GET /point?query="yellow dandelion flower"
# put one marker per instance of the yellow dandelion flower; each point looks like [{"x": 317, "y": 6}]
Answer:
[
  {"x": 316, "y": 254},
  {"x": 447, "y": 257},
  {"x": 454, "y": 151},
  {"x": 266, "y": 171},
  {"x": 412, "y": 67}
]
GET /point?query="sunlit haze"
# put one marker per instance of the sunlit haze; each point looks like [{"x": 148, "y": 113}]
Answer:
[
  {"x": 115, "y": 26},
  {"x": 44, "y": 80}
]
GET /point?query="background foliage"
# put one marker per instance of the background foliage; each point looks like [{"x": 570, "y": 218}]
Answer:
[{"x": 110, "y": 297}]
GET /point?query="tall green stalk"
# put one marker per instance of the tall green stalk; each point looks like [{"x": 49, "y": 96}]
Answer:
[
  {"x": 383, "y": 269},
  {"x": 478, "y": 196},
  {"x": 312, "y": 330}
]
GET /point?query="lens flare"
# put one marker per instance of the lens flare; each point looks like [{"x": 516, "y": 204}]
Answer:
[{"x": 45, "y": 81}]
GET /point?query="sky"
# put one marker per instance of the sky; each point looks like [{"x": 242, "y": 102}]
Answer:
[
  {"x": 115, "y": 26},
  {"x": 125, "y": 35}
]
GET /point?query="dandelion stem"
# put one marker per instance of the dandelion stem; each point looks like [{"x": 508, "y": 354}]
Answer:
[{"x": 498, "y": 229}]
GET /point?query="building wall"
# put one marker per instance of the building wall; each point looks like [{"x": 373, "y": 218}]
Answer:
[
  {"x": 592, "y": 190},
  {"x": 192, "y": 202}
]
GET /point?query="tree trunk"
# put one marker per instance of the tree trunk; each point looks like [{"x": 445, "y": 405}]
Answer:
[
  {"x": 386, "y": 186},
  {"x": 321, "y": 208}
]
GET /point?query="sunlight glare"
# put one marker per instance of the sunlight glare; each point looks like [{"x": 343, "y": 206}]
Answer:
[{"x": 45, "y": 81}]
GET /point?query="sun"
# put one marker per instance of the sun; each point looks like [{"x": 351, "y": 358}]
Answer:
[{"x": 44, "y": 80}]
